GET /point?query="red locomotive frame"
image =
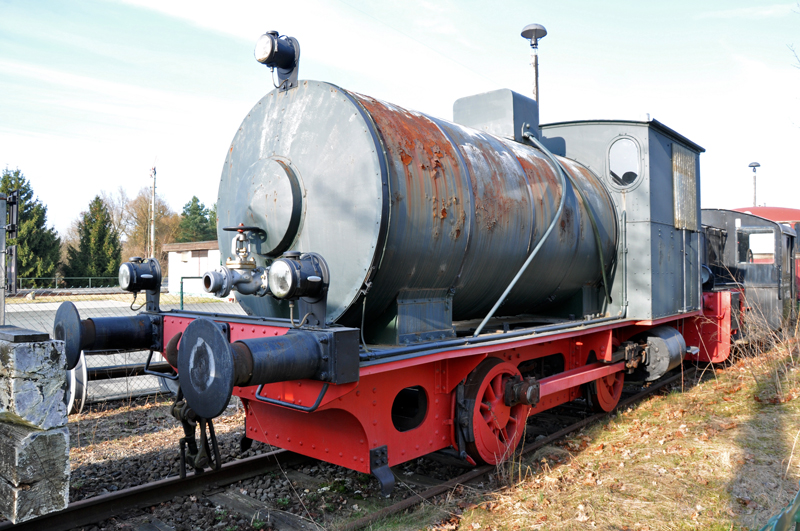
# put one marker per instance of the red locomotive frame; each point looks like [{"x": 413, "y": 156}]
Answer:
[{"x": 340, "y": 424}]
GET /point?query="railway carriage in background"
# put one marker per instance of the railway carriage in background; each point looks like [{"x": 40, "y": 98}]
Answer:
[
  {"x": 783, "y": 216},
  {"x": 415, "y": 284}
]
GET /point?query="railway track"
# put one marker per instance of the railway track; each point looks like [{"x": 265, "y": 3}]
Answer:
[
  {"x": 213, "y": 487},
  {"x": 99, "y": 508}
]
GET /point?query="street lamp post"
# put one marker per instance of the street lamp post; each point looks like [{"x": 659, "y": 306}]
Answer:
[
  {"x": 754, "y": 165},
  {"x": 153, "y": 214},
  {"x": 532, "y": 33}
]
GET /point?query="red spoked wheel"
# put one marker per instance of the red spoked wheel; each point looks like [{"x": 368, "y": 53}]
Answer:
[
  {"x": 494, "y": 428},
  {"x": 604, "y": 392}
]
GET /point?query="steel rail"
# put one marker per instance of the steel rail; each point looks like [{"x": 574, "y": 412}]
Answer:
[
  {"x": 98, "y": 508},
  {"x": 475, "y": 473}
]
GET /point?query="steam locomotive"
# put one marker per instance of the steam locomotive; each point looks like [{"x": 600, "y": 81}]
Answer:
[{"x": 414, "y": 284}]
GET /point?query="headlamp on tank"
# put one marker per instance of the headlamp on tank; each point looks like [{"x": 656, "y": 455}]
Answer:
[
  {"x": 139, "y": 274},
  {"x": 293, "y": 276},
  {"x": 282, "y": 53},
  {"x": 281, "y": 276}
]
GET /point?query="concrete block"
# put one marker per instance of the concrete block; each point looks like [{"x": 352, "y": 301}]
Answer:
[
  {"x": 34, "y": 471},
  {"x": 33, "y": 382}
]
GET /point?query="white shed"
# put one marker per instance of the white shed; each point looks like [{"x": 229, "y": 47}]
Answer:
[{"x": 190, "y": 261}]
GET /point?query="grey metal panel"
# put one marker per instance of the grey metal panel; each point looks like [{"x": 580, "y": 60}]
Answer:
[
  {"x": 640, "y": 274},
  {"x": 423, "y": 315},
  {"x": 661, "y": 193},
  {"x": 667, "y": 270},
  {"x": 675, "y": 269},
  {"x": 431, "y": 205},
  {"x": 501, "y": 112},
  {"x": 764, "y": 310}
]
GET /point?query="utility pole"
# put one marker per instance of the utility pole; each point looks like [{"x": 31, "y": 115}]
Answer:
[
  {"x": 153, "y": 215},
  {"x": 754, "y": 165}
]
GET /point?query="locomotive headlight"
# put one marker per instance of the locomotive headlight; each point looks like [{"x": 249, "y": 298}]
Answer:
[
  {"x": 281, "y": 278},
  {"x": 124, "y": 277},
  {"x": 276, "y": 51},
  {"x": 139, "y": 274},
  {"x": 294, "y": 276},
  {"x": 264, "y": 48}
]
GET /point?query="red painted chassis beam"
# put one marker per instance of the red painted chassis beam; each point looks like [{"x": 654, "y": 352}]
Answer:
[{"x": 576, "y": 377}]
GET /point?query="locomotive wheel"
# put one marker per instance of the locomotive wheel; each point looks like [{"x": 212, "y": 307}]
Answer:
[
  {"x": 494, "y": 428},
  {"x": 604, "y": 392}
]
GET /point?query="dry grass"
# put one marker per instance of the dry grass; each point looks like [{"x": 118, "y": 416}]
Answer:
[{"x": 720, "y": 455}]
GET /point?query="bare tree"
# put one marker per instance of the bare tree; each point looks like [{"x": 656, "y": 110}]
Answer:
[
  {"x": 116, "y": 204},
  {"x": 69, "y": 239},
  {"x": 136, "y": 219}
]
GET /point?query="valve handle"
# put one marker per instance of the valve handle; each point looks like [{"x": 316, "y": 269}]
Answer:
[
  {"x": 257, "y": 237},
  {"x": 242, "y": 228}
]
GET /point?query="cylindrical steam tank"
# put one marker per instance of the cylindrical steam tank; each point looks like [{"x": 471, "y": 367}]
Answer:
[{"x": 397, "y": 200}]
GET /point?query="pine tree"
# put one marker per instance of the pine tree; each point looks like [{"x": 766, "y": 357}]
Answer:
[
  {"x": 98, "y": 253},
  {"x": 212, "y": 222},
  {"x": 38, "y": 247},
  {"x": 195, "y": 225}
]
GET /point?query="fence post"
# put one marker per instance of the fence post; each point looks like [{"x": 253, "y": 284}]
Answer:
[{"x": 181, "y": 293}]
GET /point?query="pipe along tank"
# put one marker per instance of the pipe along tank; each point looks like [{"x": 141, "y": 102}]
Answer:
[{"x": 401, "y": 204}]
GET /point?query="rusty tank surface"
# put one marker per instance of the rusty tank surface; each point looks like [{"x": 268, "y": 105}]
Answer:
[{"x": 400, "y": 202}]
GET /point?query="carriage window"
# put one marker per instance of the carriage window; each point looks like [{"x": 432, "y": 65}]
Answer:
[
  {"x": 755, "y": 247},
  {"x": 623, "y": 161}
]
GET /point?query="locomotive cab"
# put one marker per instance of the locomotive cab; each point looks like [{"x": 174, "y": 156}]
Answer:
[{"x": 653, "y": 176}]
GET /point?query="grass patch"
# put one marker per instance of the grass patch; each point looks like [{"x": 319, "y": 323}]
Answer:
[{"x": 720, "y": 455}]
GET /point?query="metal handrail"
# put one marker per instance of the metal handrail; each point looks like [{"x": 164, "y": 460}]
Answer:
[
  {"x": 182, "y": 278},
  {"x": 56, "y": 279}
]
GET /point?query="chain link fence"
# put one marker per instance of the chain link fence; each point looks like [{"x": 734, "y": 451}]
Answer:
[{"x": 111, "y": 376}]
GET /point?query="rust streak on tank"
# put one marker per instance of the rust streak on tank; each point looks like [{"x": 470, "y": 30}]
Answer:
[{"x": 432, "y": 169}]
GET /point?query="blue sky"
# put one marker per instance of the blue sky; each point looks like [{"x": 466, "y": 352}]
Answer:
[{"x": 92, "y": 92}]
